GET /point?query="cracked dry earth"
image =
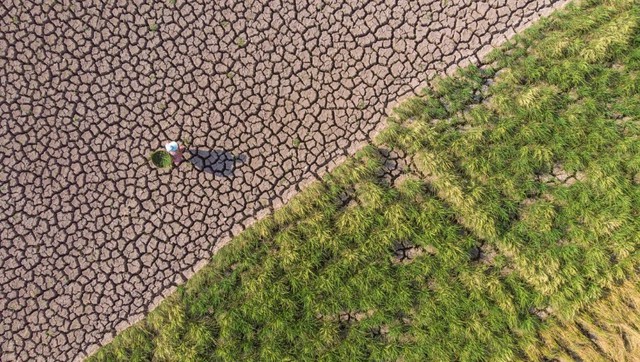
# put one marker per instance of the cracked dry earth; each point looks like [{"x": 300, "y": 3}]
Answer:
[{"x": 270, "y": 94}]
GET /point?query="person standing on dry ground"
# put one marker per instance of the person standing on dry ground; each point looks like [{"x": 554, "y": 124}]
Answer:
[{"x": 175, "y": 150}]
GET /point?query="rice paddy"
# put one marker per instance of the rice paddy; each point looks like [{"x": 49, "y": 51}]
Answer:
[{"x": 512, "y": 233}]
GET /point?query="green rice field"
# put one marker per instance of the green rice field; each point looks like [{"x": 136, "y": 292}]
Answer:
[{"x": 511, "y": 233}]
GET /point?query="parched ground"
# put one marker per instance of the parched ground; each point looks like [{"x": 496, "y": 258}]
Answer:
[{"x": 268, "y": 95}]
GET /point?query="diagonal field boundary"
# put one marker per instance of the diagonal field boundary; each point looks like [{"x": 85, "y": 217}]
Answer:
[{"x": 268, "y": 95}]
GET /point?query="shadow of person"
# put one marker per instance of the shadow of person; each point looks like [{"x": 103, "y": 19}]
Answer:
[{"x": 215, "y": 162}]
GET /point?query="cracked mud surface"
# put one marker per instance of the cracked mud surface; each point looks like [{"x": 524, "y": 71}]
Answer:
[{"x": 269, "y": 95}]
